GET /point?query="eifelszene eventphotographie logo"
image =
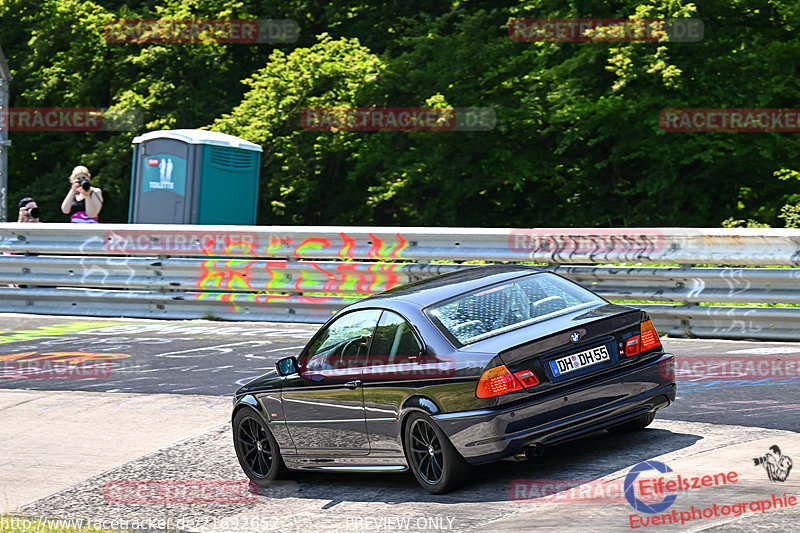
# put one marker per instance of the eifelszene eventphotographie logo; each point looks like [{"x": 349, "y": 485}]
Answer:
[{"x": 630, "y": 492}]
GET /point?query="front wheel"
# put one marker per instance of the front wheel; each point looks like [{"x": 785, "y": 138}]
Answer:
[
  {"x": 256, "y": 448},
  {"x": 433, "y": 459}
]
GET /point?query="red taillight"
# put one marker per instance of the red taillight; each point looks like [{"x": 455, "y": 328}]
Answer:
[
  {"x": 647, "y": 339},
  {"x": 649, "y": 335},
  {"x": 632, "y": 346},
  {"x": 496, "y": 382},
  {"x": 527, "y": 378}
]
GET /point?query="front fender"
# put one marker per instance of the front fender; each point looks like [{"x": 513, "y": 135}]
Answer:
[
  {"x": 248, "y": 400},
  {"x": 272, "y": 414}
]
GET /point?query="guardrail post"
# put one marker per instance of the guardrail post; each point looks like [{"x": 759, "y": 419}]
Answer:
[{"x": 686, "y": 325}]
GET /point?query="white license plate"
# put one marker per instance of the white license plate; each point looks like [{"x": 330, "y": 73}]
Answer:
[{"x": 576, "y": 361}]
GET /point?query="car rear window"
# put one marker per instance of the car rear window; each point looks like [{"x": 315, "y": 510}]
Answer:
[{"x": 498, "y": 308}]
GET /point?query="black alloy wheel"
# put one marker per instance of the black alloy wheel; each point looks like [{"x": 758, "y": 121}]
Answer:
[
  {"x": 256, "y": 448},
  {"x": 426, "y": 451},
  {"x": 433, "y": 459}
]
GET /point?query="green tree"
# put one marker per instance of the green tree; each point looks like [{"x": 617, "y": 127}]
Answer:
[
  {"x": 577, "y": 141},
  {"x": 306, "y": 170},
  {"x": 790, "y": 211}
]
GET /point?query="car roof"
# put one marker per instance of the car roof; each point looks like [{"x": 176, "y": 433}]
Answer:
[{"x": 431, "y": 290}]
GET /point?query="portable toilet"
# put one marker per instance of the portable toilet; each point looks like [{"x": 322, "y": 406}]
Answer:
[{"x": 194, "y": 177}]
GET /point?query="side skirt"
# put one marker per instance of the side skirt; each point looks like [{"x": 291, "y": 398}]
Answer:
[{"x": 394, "y": 463}]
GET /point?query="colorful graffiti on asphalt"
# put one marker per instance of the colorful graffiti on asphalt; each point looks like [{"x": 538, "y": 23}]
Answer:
[
  {"x": 72, "y": 358},
  {"x": 49, "y": 331}
]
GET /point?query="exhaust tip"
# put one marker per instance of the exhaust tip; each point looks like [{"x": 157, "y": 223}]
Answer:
[{"x": 534, "y": 450}]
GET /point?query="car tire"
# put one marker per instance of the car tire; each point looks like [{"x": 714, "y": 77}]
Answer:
[
  {"x": 636, "y": 424},
  {"x": 432, "y": 458},
  {"x": 256, "y": 448}
]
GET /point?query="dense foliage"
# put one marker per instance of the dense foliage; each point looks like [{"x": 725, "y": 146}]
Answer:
[{"x": 577, "y": 142}]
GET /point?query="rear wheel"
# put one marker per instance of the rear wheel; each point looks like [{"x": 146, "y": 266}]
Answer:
[
  {"x": 256, "y": 448},
  {"x": 433, "y": 459},
  {"x": 636, "y": 424}
]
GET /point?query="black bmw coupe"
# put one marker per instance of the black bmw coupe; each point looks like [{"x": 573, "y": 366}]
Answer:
[{"x": 462, "y": 369}]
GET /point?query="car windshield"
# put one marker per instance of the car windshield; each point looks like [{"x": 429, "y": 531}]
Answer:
[{"x": 499, "y": 308}]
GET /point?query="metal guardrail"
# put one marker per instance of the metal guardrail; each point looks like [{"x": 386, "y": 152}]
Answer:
[
  {"x": 172, "y": 274},
  {"x": 304, "y": 274},
  {"x": 728, "y": 246},
  {"x": 690, "y": 285},
  {"x": 157, "y": 305},
  {"x": 761, "y": 323}
]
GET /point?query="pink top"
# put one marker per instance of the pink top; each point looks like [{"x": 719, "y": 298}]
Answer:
[{"x": 80, "y": 217}]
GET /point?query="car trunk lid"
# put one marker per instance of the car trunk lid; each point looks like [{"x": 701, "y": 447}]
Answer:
[{"x": 573, "y": 347}]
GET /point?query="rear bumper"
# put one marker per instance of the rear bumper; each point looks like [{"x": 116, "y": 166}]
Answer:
[{"x": 487, "y": 435}]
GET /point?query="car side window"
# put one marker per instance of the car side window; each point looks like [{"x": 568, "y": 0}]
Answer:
[
  {"x": 343, "y": 344},
  {"x": 394, "y": 340}
]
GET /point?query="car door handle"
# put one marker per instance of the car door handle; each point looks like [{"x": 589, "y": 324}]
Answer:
[{"x": 356, "y": 383}]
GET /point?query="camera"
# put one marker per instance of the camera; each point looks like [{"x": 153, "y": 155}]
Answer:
[
  {"x": 33, "y": 212},
  {"x": 760, "y": 460},
  {"x": 85, "y": 184}
]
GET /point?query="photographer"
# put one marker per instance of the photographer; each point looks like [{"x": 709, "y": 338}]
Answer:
[
  {"x": 776, "y": 464},
  {"x": 28, "y": 210},
  {"x": 83, "y": 202}
]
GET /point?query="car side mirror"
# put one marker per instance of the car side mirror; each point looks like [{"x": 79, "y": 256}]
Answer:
[{"x": 286, "y": 366}]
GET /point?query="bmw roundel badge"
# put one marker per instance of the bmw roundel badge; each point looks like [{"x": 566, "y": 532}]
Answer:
[{"x": 575, "y": 336}]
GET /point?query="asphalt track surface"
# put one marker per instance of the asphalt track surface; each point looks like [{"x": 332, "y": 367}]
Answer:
[
  {"x": 215, "y": 358},
  {"x": 198, "y": 357},
  {"x": 722, "y": 419}
]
